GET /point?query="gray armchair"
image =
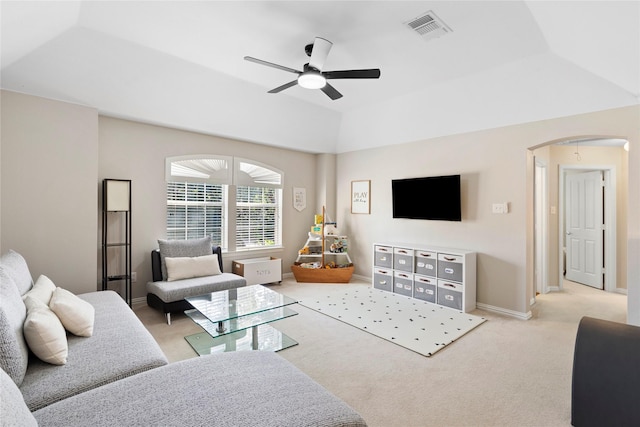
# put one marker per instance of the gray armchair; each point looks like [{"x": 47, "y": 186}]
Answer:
[{"x": 169, "y": 297}]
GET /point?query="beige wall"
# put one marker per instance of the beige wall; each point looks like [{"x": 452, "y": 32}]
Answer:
[
  {"x": 326, "y": 185},
  {"x": 136, "y": 151},
  {"x": 49, "y": 188},
  {"x": 496, "y": 166},
  {"x": 633, "y": 226},
  {"x": 60, "y": 151},
  {"x": 492, "y": 168}
]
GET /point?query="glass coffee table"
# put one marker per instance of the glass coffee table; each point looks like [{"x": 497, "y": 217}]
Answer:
[{"x": 237, "y": 319}]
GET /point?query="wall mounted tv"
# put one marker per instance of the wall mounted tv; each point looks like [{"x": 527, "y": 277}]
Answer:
[{"x": 434, "y": 198}]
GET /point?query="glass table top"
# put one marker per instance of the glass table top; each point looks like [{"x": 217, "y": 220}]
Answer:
[
  {"x": 236, "y": 319},
  {"x": 233, "y": 303}
]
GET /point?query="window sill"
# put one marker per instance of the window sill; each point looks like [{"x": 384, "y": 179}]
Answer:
[{"x": 254, "y": 252}]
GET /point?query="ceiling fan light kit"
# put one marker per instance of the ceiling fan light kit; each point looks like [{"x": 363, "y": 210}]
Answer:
[
  {"x": 312, "y": 80},
  {"x": 313, "y": 77}
]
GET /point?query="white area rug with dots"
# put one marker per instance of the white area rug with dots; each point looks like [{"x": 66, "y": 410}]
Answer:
[{"x": 417, "y": 325}]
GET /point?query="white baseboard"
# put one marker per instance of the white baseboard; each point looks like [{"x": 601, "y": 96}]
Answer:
[
  {"x": 500, "y": 310},
  {"x": 617, "y": 290},
  {"x": 139, "y": 301}
]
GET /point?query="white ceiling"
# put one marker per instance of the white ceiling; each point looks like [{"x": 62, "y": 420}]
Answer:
[{"x": 180, "y": 64}]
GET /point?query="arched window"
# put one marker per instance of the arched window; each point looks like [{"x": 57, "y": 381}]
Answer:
[{"x": 236, "y": 201}]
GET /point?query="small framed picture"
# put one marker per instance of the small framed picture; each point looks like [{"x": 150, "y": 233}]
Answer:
[{"x": 361, "y": 197}]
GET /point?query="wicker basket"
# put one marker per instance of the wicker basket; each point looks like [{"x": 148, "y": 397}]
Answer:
[{"x": 322, "y": 275}]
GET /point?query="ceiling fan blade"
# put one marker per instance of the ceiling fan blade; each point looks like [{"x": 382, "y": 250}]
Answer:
[
  {"x": 319, "y": 53},
  {"x": 283, "y": 87},
  {"x": 331, "y": 92},
  {"x": 372, "y": 73},
  {"x": 271, "y": 64}
]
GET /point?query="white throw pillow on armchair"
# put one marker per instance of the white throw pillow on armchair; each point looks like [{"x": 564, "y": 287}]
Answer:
[{"x": 189, "y": 267}]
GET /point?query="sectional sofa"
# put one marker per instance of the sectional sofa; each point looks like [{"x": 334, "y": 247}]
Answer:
[{"x": 118, "y": 375}]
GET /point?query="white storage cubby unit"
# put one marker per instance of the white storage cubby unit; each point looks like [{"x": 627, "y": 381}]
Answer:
[{"x": 442, "y": 276}]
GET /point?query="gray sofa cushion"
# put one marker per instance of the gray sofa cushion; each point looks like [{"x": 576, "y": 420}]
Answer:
[
  {"x": 16, "y": 267},
  {"x": 231, "y": 389},
  {"x": 180, "y": 289},
  {"x": 119, "y": 347},
  {"x": 13, "y": 411},
  {"x": 182, "y": 248},
  {"x": 14, "y": 353}
]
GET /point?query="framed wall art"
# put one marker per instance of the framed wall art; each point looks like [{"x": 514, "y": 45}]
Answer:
[{"x": 361, "y": 197}]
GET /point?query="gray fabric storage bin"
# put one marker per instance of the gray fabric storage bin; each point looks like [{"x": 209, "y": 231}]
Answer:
[
  {"x": 426, "y": 263},
  {"x": 382, "y": 279},
  {"x": 403, "y": 259},
  {"x": 425, "y": 288},
  {"x": 383, "y": 256},
  {"x": 450, "y": 267},
  {"x": 403, "y": 284},
  {"x": 450, "y": 294}
]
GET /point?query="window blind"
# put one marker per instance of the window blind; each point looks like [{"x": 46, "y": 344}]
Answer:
[
  {"x": 257, "y": 217},
  {"x": 195, "y": 210}
]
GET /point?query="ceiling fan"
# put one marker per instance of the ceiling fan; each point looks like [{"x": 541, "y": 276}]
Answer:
[{"x": 313, "y": 77}]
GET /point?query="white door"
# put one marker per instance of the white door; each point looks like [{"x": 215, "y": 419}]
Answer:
[{"x": 583, "y": 228}]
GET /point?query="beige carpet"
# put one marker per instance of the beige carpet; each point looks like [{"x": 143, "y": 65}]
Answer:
[{"x": 508, "y": 372}]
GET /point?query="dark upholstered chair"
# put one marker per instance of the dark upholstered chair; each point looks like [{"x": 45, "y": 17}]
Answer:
[{"x": 606, "y": 374}]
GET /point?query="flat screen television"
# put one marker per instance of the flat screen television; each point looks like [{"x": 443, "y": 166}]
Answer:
[{"x": 434, "y": 198}]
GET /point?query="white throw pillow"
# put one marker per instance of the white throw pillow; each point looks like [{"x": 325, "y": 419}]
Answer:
[
  {"x": 76, "y": 314},
  {"x": 189, "y": 267},
  {"x": 42, "y": 290},
  {"x": 44, "y": 333}
]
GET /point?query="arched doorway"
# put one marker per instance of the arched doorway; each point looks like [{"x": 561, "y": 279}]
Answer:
[{"x": 552, "y": 162}]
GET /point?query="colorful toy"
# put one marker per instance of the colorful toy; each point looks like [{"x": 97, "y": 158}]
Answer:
[{"x": 336, "y": 246}]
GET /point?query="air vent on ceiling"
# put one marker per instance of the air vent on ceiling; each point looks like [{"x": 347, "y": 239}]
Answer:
[{"x": 429, "y": 26}]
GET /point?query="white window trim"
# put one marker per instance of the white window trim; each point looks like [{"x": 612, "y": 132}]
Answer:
[
  {"x": 242, "y": 178},
  {"x": 224, "y": 177},
  {"x": 231, "y": 178}
]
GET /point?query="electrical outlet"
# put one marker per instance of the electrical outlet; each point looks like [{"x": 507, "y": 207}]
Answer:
[
  {"x": 134, "y": 276},
  {"x": 500, "y": 208}
]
